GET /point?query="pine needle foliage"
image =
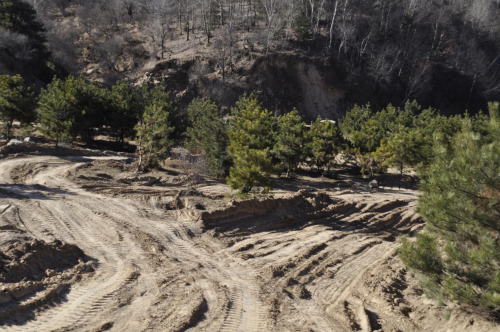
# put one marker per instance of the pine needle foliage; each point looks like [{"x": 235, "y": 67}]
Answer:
[
  {"x": 461, "y": 205},
  {"x": 251, "y": 140},
  {"x": 209, "y": 133},
  {"x": 17, "y": 102},
  {"x": 56, "y": 107},
  {"x": 323, "y": 144},
  {"x": 20, "y": 16},
  {"x": 290, "y": 139},
  {"x": 125, "y": 105},
  {"x": 155, "y": 129}
]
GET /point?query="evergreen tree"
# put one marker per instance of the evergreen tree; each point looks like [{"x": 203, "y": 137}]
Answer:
[
  {"x": 125, "y": 107},
  {"x": 352, "y": 124},
  {"x": 155, "y": 129},
  {"x": 323, "y": 143},
  {"x": 16, "y": 102},
  {"x": 290, "y": 141},
  {"x": 410, "y": 141},
  {"x": 251, "y": 139},
  {"x": 160, "y": 96},
  {"x": 72, "y": 107},
  {"x": 459, "y": 253},
  {"x": 89, "y": 108},
  {"x": 408, "y": 147},
  {"x": 19, "y": 16},
  {"x": 56, "y": 109},
  {"x": 365, "y": 129},
  {"x": 209, "y": 132}
]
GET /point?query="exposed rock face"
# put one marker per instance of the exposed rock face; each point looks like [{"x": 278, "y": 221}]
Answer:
[{"x": 281, "y": 82}]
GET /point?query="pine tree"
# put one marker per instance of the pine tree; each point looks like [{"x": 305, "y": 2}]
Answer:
[
  {"x": 251, "y": 140},
  {"x": 72, "y": 107},
  {"x": 125, "y": 107},
  {"x": 302, "y": 26},
  {"x": 323, "y": 143},
  {"x": 209, "y": 132},
  {"x": 365, "y": 129},
  {"x": 408, "y": 147},
  {"x": 155, "y": 129},
  {"x": 352, "y": 125},
  {"x": 90, "y": 108},
  {"x": 160, "y": 96},
  {"x": 19, "y": 16},
  {"x": 17, "y": 102},
  {"x": 459, "y": 253},
  {"x": 290, "y": 141},
  {"x": 56, "y": 109}
]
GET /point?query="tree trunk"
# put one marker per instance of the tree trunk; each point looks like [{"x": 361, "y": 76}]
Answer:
[
  {"x": 180, "y": 16},
  {"x": 139, "y": 165},
  {"x": 122, "y": 139},
  {"x": 9, "y": 128},
  {"x": 223, "y": 71},
  {"x": 57, "y": 139},
  {"x": 332, "y": 24}
]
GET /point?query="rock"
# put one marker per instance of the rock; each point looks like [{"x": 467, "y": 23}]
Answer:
[
  {"x": 15, "y": 141},
  {"x": 50, "y": 273},
  {"x": 373, "y": 184},
  {"x": 397, "y": 301}
]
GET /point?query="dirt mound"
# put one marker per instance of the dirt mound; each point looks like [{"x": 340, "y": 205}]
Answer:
[
  {"x": 34, "y": 273},
  {"x": 31, "y": 260},
  {"x": 39, "y": 149},
  {"x": 305, "y": 209},
  {"x": 258, "y": 212}
]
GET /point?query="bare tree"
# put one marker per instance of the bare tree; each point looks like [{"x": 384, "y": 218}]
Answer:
[
  {"x": 418, "y": 81},
  {"x": 158, "y": 25},
  {"x": 332, "y": 22},
  {"x": 111, "y": 51},
  {"x": 277, "y": 13},
  {"x": 223, "y": 45},
  {"x": 129, "y": 6},
  {"x": 206, "y": 7}
]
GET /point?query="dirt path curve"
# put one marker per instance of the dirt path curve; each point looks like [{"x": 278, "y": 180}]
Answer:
[{"x": 141, "y": 252}]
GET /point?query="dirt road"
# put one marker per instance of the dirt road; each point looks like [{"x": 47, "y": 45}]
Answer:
[{"x": 302, "y": 262}]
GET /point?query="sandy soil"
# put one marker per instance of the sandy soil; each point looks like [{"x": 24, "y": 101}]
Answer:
[{"x": 162, "y": 252}]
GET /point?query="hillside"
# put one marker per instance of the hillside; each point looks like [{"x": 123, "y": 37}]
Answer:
[{"x": 321, "y": 56}]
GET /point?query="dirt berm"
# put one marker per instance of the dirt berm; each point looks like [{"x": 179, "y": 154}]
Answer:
[{"x": 285, "y": 211}]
